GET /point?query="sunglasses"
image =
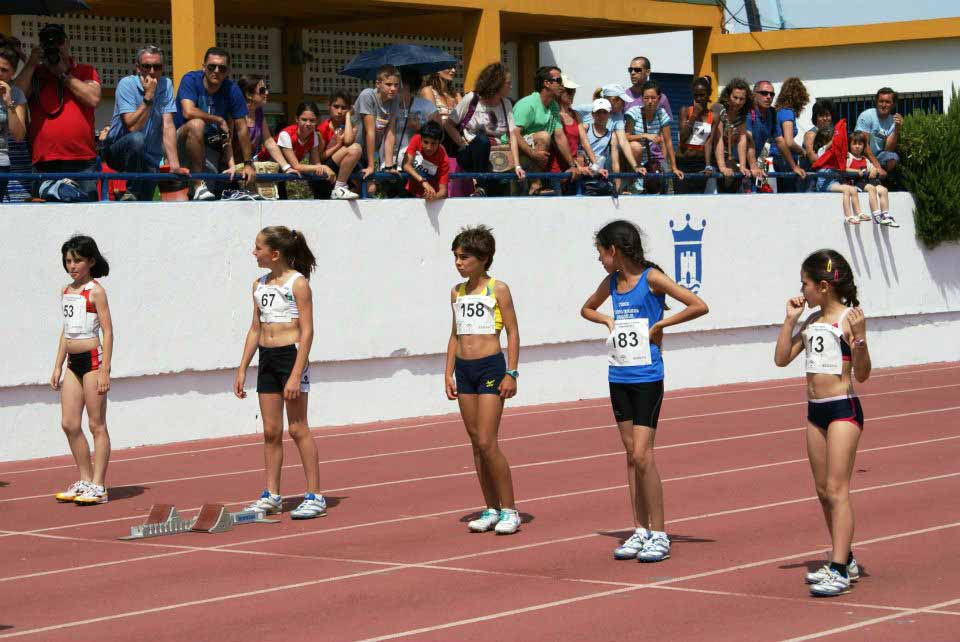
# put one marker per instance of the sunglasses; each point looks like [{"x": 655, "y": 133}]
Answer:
[
  {"x": 554, "y": 79},
  {"x": 222, "y": 69},
  {"x": 151, "y": 67},
  {"x": 263, "y": 91},
  {"x": 769, "y": 94},
  {"x": 636, "y": 70}
]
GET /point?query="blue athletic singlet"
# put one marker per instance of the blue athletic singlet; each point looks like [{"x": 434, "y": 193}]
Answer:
[{"x": 638, "y": 303}]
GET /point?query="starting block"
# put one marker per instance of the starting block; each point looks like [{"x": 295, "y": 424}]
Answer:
[{"x": 212, "y": 518}]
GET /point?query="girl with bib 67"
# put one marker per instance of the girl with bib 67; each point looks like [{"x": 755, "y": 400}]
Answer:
[
  {"x": 282, "y": 332},
  {"x": 477, "y": 375},
  {"x": 638, "y": 288},
  {"x": 834, "y": 342}
]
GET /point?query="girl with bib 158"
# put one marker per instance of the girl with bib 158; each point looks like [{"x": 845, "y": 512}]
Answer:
[
  {"x": 834, "y": 342},
  {"x": 477, "y": 375},
  {"x": 638, "y": 288},
  {"x": 86, "y": 315},
  {"x": 282, "y": 332}
]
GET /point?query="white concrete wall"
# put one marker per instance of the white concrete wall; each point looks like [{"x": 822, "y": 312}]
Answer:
[
  {"x": 180, "y": 295},
  {"x": 924, "y": 65}
]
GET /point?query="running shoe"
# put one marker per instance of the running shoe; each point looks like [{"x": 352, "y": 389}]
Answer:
[
  {"x": 202, "y": 193},
  {"x": 833, "y": 584},
  {"x": 487, "y": 520},
  {"x": 888, "y": 220},
  {"x": 853, "y": 572},
  {"x": 343, "y": 193},
  {"x": 240, "y": 195},
  {"x": 311, "y": 506},
  {"x": 92, "y": 494},
  {"x": 269, "y": 504},
  {"x": 509, "y": 522},
  {"x": 76, "y": 489},
  {"x": 632, "y": 546},
  {"x": 655, "y": 549}
]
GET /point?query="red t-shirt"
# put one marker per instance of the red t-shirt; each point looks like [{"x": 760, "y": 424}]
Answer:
[
  {"x": 287, "y": 139},
  {"x": 434, "y": 168},
  {"x": 69, "y": 134}
]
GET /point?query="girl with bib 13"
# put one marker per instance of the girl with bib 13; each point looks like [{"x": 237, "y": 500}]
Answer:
[
  {"x": 638, "y": 288},
  {"x": 834, "y": 342},
  {"x": 282, "y": 332},
  {"x": 86, "y": 316},
  {"x": 477, "y": 375}
]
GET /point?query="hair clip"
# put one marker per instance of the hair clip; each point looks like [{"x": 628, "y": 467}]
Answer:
[
  {"x": 829, "y": 265},
  {"x": 836, "y": 275}
]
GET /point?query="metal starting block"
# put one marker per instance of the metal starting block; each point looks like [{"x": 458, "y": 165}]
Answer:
[{"x": 212, "y": 518}]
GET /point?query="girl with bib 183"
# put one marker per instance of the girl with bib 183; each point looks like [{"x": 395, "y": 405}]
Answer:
[
  {"x": 638, "y": 288},
  {"x": 86, "y": 315},
  {"x": 834, "y": 343},
  {"x": 477, "y": 375},
  {"x": 282, "y": 332}
]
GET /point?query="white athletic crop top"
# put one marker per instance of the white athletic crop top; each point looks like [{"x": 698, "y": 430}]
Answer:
[
  {"x": 276, "y": 302},
  {"x": 80, "y": 318}
]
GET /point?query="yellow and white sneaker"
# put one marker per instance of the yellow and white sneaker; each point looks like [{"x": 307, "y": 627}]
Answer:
[
  {"x": 91, "y": 495},
  {"x": 76, "y": 489}
]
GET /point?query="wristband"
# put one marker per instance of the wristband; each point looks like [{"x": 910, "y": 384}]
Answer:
[
  {"x": 286, "y": 168},
  {"x": 248, "y": 162},
  {"x": 710, "y": 167},
  {"x": 518, "y": 167}
]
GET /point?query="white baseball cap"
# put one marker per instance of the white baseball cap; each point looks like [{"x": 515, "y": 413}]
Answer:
[
  {"x": 567, "y": 83},
  {"x": 602, "y": 104},
  {"x": 615, "y": 91}
]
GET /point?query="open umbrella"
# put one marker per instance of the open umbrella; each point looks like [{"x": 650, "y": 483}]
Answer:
[
  {"x": 418, "y": 58},
  {"x": 41, "y": 7}
]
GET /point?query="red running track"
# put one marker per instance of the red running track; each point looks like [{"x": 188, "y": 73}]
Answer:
[{"x": 393, "y": 559}]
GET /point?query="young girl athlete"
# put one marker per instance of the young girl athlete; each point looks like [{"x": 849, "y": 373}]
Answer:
[
  {"x": 834, "y": 342},
  {"x": 638, "y": 288},
  {"x": 282, "y": 329},
  {"x": 86, "y": 314},
  {"x": 477, "y": 375}
]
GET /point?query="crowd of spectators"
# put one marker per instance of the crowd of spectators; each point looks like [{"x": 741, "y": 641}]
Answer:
[{"x": 422, "y": 126}]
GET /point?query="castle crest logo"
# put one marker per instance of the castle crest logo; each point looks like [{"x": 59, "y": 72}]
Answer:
[{"x": 688, "y": 254}]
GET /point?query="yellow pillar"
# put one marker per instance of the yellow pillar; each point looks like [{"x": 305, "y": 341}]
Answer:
[
  {"x": 481, "y": 43},
  {"x": 528, "y": 60},
  {"x": 6, "y": 25},
  {"x": 193, "y": 31},
  {"x": 704, "y": 60}
]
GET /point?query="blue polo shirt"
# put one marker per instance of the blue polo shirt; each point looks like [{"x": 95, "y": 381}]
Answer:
[
  {"x": 129, "y": 96},
  {"x": 762, "y": 127},
  {"x": 228, "y": 102}
]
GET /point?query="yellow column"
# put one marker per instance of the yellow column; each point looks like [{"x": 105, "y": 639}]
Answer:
[
  {"x": 704, "y": 60},
  {"x": 6, "y": 26},
  {"x": 481, "y": 43},
  {"x": 528, "y": 60},
  {"x": 193, "y": 31}
]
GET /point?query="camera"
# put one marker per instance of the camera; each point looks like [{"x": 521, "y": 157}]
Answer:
[
  {"x": 216, "y": 138},
  {"x": 51, "y": 38}
]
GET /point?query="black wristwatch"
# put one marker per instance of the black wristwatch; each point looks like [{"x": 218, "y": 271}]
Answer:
[
  {"x": 249, "y": 162},
  {"x": 148, "y": 101}
]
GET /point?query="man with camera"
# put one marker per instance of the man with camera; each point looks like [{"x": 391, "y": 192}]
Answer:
[
  {"x": 142, "y": 129},
  {"x": 62, "y": 95},
  {"x": 209, "y": 105}
]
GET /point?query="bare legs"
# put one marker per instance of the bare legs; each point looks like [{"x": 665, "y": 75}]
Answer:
[
  {"x": 832, "y": 454},
  {"x": 646, "y": 489},
  {"x": 74, "y": 396},
  {"x": 271, "y": 409},
  {"x": 481, "y": 416}
]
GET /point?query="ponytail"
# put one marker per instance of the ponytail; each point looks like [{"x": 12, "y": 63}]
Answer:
[
  {"x": 292, "y": 245},
  {"x": 830, "y": 266}
]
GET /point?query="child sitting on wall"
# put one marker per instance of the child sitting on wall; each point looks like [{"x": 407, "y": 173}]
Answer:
[
  {"x": 426, "y": 162},
  {"x": 868, "y": 180}
]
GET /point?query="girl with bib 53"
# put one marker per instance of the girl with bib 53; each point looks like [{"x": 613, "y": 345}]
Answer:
[
  {"x": 834, "y": 343},
  {"x": 638, "y": 288},
  {"x": 477, "y": 375},
  {"x": 282, "y": 331}
]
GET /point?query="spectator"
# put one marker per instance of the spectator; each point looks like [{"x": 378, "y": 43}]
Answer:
[
  {"x": 761, "y": 127},
  {"x": 426, "y": 162},
  {"x": 604, "y": 144},
  {"x": 617, "y": 96},
  {"x": 820, "y": 136},
  {"x": 868, "y": 180},
  {"x": 262, "y": 145},
  {"x": 882, "y": 125},
  {"x": 413, "y": 111},
  {"x": 570, "y": 122},
  {"x": 209, "y": 105},
  {"x": 537, "y": 119},
  {"x": 438, "y": 89},
  {"x": 639, "y": 71},
  {"x": 484, "y": 119},
  {"x": 654, "y": 123},
  {"x": 730, "y": 135},
  {"x": 341, "y": 151},
  {"x": 376, "y": 115},
  {"x": 62, "y": 95},
  {"x": 696, "y": 129},
  {"x": 142, "y": 129},
  {"x": 791, "y": 102},
  {"x": 300, "y": 145},
  {"x": 13, "y": 112}
]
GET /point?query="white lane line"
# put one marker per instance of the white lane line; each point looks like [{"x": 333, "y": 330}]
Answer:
[
  {"x": 876, "y": 620},
  {"x": 782, "y": 598},
  {"x": 320, "y": 435},
  {"x": 48, "y": 494},
  {"x": 700, "y": 442}
]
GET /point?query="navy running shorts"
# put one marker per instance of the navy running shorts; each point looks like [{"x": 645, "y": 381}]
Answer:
[
  {"x": 275, "y": 366},
  {"x": 480, "y": 376},
  {"x": 822, "y": 412}
]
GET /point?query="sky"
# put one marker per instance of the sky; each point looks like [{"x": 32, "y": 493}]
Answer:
[{"x": 829, "y": 13}]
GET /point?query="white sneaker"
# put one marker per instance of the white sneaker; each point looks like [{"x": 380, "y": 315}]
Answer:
[
  {"x": 92, "y": 494},
  {"x": 487, "y": 520},
  {"x": 343, "y": 193},
  {"x": 632, "y": 546},
  {"x": 509, "y": 522},
  {"x": 655, "y": 549},
  {"x": 833, "y": 584},
  {"x": 76, "y": 489},
  {"x": 269, "y": 504},
  {"x": 889, "y": 221},
  {"x": 311, "y": 506},
  {"x": 202, "y": 193},
  {"x": 822, "y": 573}
]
